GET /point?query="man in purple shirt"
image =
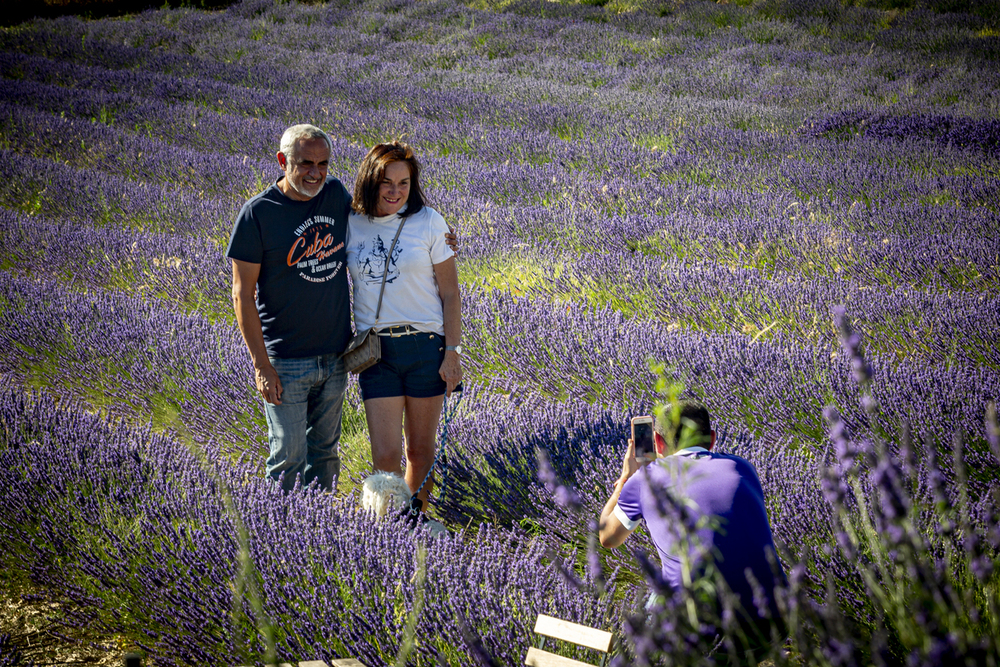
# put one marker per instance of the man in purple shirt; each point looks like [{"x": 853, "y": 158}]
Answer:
[{"x": 726, "y": 524}]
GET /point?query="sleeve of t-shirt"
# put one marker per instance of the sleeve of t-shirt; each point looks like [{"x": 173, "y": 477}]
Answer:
[
  {"x": 628, "y": 509},
  {"x": 245, "y": 243},
  {"x": 749, "y": 475},
  {"x": 439, "y": 249}
]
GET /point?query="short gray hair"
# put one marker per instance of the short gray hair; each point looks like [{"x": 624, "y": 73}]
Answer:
[{"x": 304, "y": 131}]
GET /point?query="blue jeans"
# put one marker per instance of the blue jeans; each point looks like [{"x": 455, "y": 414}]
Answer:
[{"x": 304, "y": 431}]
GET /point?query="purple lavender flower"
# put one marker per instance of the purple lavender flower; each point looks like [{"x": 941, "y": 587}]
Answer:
[
  {"x": 851, "y": 341},
  {"x": 564, "y": 495}
]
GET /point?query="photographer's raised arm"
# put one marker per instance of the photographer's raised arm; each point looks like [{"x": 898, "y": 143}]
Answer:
[{"x": 612, "y": 531}]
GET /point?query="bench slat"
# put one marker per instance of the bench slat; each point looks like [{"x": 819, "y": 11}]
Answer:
[
  {"x": 539, "y": 658},
  {"x": 313, "y": 663},
  {"x": 599, "y": 640},
  {"x": 347, "y": 662}
]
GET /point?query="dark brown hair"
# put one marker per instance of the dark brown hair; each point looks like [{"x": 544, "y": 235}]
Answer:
[
  {"x": 372, "y": 171},
  {"x": 692, "y": 417}
]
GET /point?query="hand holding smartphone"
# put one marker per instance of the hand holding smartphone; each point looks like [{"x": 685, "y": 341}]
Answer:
[{"x": 642, "y": 436}]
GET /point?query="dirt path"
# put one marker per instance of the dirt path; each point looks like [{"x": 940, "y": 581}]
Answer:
[{"x": 38, "y": 636}]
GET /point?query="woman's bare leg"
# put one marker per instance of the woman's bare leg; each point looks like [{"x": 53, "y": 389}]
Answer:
[
  {"x": 385, "y": 419},
  {"x": 421, "y": 416}
]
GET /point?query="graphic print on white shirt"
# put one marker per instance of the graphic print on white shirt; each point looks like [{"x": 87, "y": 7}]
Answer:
[
  {"x": 411, "y": 292},
  {"x": 372, "y": 262}
]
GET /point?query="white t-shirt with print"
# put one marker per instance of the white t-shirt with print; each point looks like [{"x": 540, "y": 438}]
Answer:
[{"x": 411, "y": 292}]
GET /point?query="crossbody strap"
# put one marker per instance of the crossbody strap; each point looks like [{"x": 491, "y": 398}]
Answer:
[{"x": 385, "y": 273}]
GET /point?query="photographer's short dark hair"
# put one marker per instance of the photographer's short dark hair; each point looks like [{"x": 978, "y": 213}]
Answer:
[{"x": 693, "y": 415}]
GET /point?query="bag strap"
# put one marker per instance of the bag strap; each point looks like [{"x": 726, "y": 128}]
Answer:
[{"x": 385, "y": 273}]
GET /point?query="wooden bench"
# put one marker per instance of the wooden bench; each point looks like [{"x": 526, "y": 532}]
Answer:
[{"x": 549, "y": 627}]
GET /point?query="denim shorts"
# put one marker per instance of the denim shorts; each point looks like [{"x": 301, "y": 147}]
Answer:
[{"x": 409, "y": 366}]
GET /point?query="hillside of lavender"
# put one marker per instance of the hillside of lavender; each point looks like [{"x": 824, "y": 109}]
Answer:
[{"x": 788, "y": 210}]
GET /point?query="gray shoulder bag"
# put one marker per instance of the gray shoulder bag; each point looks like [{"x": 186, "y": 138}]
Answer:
[{"x": 365, "y": 349}]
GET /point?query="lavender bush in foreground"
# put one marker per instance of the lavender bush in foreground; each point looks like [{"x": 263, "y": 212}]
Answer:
[
  {"x": 138, "y": 524},
  {"x": 905, "y": 570}
]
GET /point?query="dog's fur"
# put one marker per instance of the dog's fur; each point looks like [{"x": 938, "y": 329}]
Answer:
[{"x": 385, "y": 492}]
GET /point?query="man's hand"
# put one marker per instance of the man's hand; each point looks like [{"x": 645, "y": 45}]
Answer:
[
  {"x": 268, "y": 384},
  {"x": 451, "y": 239},
  {"x": 266, "y": 380},
  {"x": 630, "y": 464},
  {"x": 611, "y": 531}
]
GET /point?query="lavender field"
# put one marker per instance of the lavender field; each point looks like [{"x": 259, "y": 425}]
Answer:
[{"x": 671, "y": 191}]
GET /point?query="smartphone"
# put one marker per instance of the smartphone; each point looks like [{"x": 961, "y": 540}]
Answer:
[{"x": 642, "y": 436}]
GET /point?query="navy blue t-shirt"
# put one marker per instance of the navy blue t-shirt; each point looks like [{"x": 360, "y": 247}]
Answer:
[
  {"x": 722, "y": 486},
  {"x": 302, "y": 294}
]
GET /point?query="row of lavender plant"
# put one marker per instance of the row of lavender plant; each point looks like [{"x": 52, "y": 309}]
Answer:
[
  {"x": 806, "y": 170},
  {"x": 965, "y": 260},
  {"x": 187, "y": 272},
  {"x": 192, "y": 273},
  {"x": 631, "y": 46},
  {"x": 936, "y": 325},
  {"x": 777, "y": 385},
  {"x": 775, "y": 390},
  {"x": 101, "y": 199},
  {"x": 129, "y": 356}
]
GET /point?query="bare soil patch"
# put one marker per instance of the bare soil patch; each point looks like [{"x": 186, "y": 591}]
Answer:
[{"x": 35, "y": 623}]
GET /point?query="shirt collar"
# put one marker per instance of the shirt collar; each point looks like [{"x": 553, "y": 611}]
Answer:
[
  {"x": 394, "y": 216},
  {"x": 695, "y": 451}
]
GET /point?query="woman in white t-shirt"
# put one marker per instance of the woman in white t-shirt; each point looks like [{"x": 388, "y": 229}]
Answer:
[{"x": 420, "y": 320}]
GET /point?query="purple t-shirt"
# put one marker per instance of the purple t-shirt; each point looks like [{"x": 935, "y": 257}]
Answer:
[{"x": 724, "y": 488}]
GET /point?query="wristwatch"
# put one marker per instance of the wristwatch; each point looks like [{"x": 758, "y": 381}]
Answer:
[{"x": 456, "y": 348}]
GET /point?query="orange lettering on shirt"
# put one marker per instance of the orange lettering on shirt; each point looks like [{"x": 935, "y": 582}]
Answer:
[{"x": 314, "y": 249}]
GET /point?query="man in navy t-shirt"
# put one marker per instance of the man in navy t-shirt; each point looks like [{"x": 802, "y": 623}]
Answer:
[
  {"x": 727, "y": 524},
  {"x": 292, "y": 306}
]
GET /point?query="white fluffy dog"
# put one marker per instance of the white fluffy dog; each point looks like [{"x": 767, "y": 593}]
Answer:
[{"x": 385, "y": 492}]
